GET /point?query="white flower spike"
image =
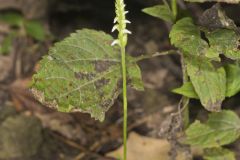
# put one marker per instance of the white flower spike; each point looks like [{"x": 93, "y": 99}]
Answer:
[{"x": 121, "y": 22}]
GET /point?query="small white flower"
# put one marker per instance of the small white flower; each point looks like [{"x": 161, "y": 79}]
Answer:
[
  {"x": 115, "y": 42},
  {"x": 127, "y": 21},
  {"x": 115, "y": 20},
  {"x": 115, "y": 27},
  {"x": 127, "y": 31}
]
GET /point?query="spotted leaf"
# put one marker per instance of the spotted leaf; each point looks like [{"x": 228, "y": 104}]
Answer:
[
  {"x": 209, "y": 82},
  {"x": 83, "y": 73}
]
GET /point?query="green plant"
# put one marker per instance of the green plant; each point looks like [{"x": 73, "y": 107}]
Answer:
[
  {"x": 19, "y": 27},
  {"x": 121, "y": 21},
  {"x": 87, "y": 71},
  {"x": 209, "y": 78}
]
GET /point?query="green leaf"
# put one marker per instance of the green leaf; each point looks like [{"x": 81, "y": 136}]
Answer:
[
  {"x": 225, "y": 120},
  {"x": 201, "y": 135},
  {"x": 6, "y": 45},
  {"x": 233, "y": 79},
  {"x": 83, "y": 73},
  {"x": 218, "y": 154},
  {"x": 187, "y": 90},
  {"x": 209, "y": 82},
  {"x": 134, "y": 75},
  {"x": 12, "y": 18},
  {"x": 35, "y": 29},
  {"x": 223, "y": 41},
  {"x": 221, "y": 128},
  {"x": 226, "y": 1},
  {"x": 186, "y": 36},
  {"x": 161, "y": 11}
]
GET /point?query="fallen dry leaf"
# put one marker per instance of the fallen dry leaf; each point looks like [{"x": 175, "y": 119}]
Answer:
[{"x": 145, "y": 148}]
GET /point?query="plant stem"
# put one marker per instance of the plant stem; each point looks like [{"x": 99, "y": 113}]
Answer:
[
  {"x": 120, "y": 26},
  {"x": 185, "y": 100},
  {"x": 124, "y": 77},
  {"x": 185, "y": 113},
  {"x": 174, "y": 8},
  {"x": 157, "y": 54}
]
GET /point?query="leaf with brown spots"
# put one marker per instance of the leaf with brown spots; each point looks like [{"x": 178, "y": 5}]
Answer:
[
  {"x": 223, "y": 41},
  {"x": 186, "y": 36},
  {"x": 82, "y": 73},
  {"x": 209, "y": 82}
]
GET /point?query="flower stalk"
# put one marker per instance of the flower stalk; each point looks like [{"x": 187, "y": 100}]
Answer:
[{"x": 121, "y": 22}]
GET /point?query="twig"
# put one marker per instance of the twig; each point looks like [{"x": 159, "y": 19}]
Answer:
[{"x": 157, "y": 54}]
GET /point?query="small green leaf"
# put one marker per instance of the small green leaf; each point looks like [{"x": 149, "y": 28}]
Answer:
[
  {"x": 225, "y": 119},
  {"x": 223, "y": 41},
  {"x": 187, "y": 90},
  {"x": 233, "y": 79},
  {"x": 218, "y": 154},
  {"x": 226, "y": 1},
  {"x": 134, "y": 75},
  {"x": 209, "y": 82},
  {"x": 6, "y": 45},
  {"x": 35, "y": 29},
  {"x": 201, "y": 135},
  {"x": 161, "y": 11},
  {"x": 186, "y": 36},
  {"x": 221, "y": 128},
  {"x": 13, "y": 19},
  {"x": 83, "y": 73}
]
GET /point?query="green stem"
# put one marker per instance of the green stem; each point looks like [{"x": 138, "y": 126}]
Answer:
[
  {"x": 174, "y": 8},
  {"x": 157, "y": 54},
  {"x": 185, "y": 113},
  {"x": 124, "y": 77},
  {"x": 185, "y": 100}
]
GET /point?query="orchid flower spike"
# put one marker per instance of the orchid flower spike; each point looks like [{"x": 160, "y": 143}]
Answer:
[{"x": 120, "y": 22}]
